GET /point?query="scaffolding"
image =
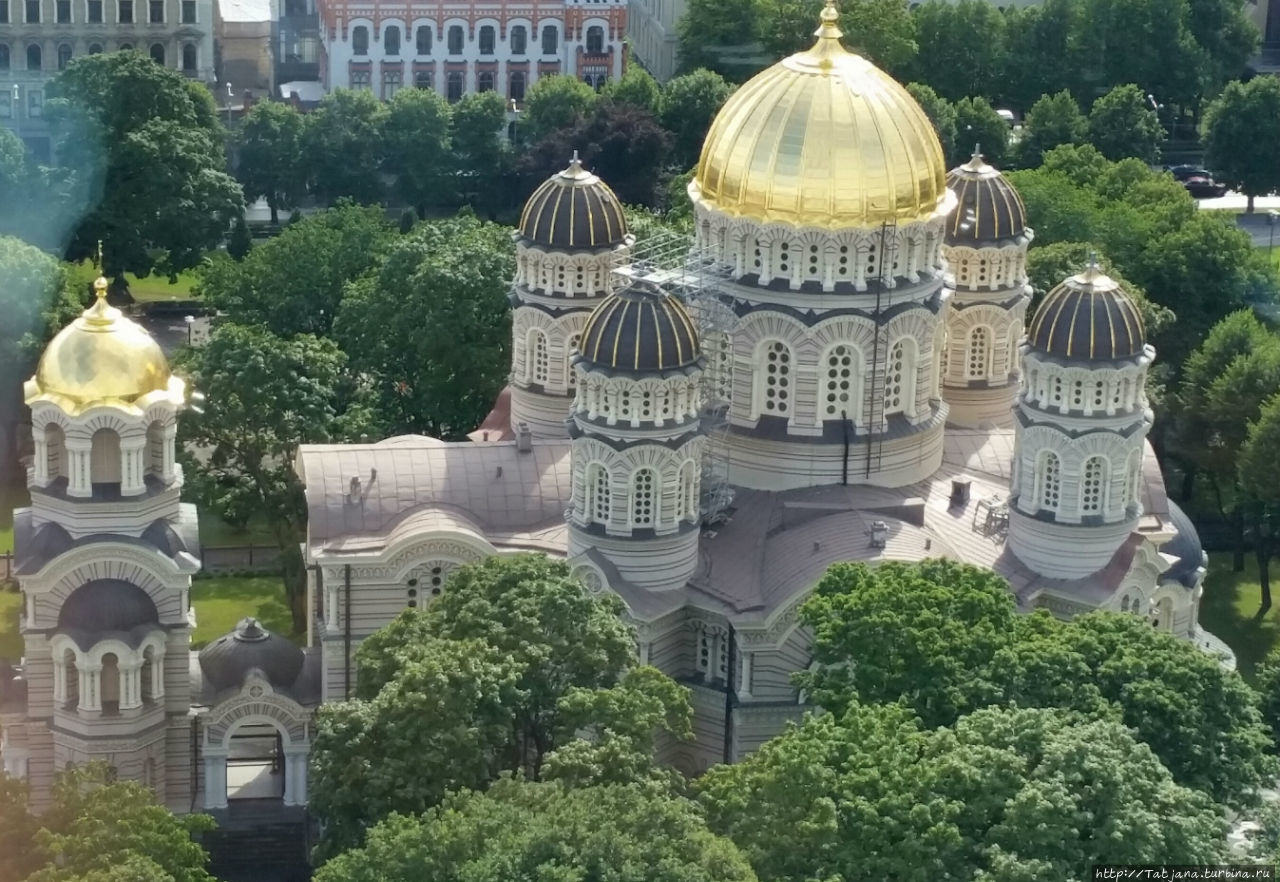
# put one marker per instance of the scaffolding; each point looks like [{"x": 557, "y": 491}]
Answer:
[{"x": 675, "y": 263}]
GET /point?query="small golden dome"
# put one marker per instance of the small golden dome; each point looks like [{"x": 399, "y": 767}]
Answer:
[
  {"x": 100, "y": 358},
  {"x": 822, "y": 139},
  {"x": 572, "y": 210},
  {"x": 1088, "y": 317}
]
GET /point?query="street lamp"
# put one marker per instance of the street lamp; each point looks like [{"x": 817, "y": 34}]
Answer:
[
  {"x": 191, "y": 321},
  {"x": 17, "y": 110},
  {"x": 228, "y": 105},
  {"x": 1272, "y": 215}
]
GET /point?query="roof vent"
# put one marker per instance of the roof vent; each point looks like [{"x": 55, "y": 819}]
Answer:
[{"x": 524, "y": 438}]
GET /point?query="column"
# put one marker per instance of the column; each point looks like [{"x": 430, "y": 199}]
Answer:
[
  {"x": 290, "y": 778},
  {"x": 90, "y": 688},
  {"x": 130, "y": 686},
  {"x": 744, "y": 684},
  {"x": 331, "y": 608},
  {"x": 59, "y": 681},
  {"x": 131, "y": 466},
  {"x": 167, "y": 471},
  {"x": 215, "y": 781},
  {"x": 300, "y": 778},
  {"x": 644, "y": 653},
  {"x": 157, "y": 676},
  {"x": 41, "y": 459},
  {"x": 78, "y": 468}
]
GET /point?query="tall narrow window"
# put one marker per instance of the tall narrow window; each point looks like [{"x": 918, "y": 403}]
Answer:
[
  {"x": 516, "y": 90},
  {"x": 519, "y": 40},
  {"x": 188, "y": 11},
  {"x": 1050, "y": 473},
  {"x": 539, "y": 359},
  {"x": 571, "y": 378},
  {"x": 484, "y": 81},
  {"x": 188, "y": 58},
  {"x": 1134, "y": 478},
  {"x": 689, "y": 490},
  {"x": 391, "y": 40},
  {"x": 979, "y": 354},
  {"x": 601, "y": 500},
  {"x": 360, "y": 40},
  {"x": 595, "y": 40},
  {"x": 62, "y": 11},
  {"x": 899, "y": 386},
  {"x": 392, "y": 80},
  {"x": 1092, "y": 483},
  {"x": 455, "y": 39},
  {"x": 454, "y": 86},
  {"x": 157, "y": 54},
  {"x": 486, "y": 40},
  {"x": 423, "y": 40},
  {"x": 155, "y": 11},
  {"x": 33, "y": 57},
  {"x": 64, "y": 56},
  {"x": 776, "y": 378},
  {"x": 4, "y": 12},
  {"x": 95, "y": 48},
  {"x": 125, "y": 12},
  {"x": 643, "y": 498},
  {"x": 841, "y": 392},
  {"x": 95, "y": 11},
  {"x": 33, "y": 11},
  {"x": 550, "y": 40},
  {"x": 4, "y": 57}
]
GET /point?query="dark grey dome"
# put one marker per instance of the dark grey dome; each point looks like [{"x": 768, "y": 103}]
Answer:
[
  {"x": 228, "y": 659},
  {"x": 988, "y": 208},
  {"x": 640, "y": 329},
  {"x": 573, "y": 210},
  {"x": 107, "y": 605},
  {"x": 1185, "y": 547},
  {"x": 1088, "y": 317}
]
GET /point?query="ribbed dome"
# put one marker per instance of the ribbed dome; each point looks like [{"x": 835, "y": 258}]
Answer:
[
  {"x": 988, "y": 207},
  {"x": 573, "y": 209},
  {"x": 1088, "y": 317},
  {"x": 822, "y": 139},
  {"x": 228, "y": 659},
  {"x": 1186, "y": 547},
  {"x": 640, "y": 328},
  {"x": 107, "y": 605},
  {"x": 100, "y": 358}
]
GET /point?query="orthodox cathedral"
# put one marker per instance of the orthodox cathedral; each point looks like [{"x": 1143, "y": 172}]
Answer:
[{"x": 852, "y": 377}]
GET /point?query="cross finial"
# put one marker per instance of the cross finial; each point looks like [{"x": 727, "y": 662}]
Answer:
[{"x": 98, "y": 258}]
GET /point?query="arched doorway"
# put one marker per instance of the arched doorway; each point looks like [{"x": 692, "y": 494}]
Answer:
[
  {"x": 255, "y": 747},
  {"x": 255, "y": 762}
]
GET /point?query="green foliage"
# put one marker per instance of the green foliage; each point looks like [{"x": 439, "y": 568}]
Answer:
[
  {"x": 512, "y": 663},
  {"x": 1025, "y": 794},
  {"x": 555, "y": 102},
  {"x": 526, "y": 832},
  {"x": 962, "y": 47},
  {"x": 880, "y": 30},
  {"x": 978, "y": 125},
  {"x": 941, "y": 113},
  {"x": 239, "y": 243},
  {"x": 343, "y": 148},
  {"x": 415, "y": 134},
  {"x": 689, "y": 104},
  {"x": 18, "y": 854},
  {"x": 719, "y": 35},
  {"x": 1242, "y": 136},
  {"x": 1123, "y": 124},
  {"x": 1040, "y": 57},
  {"x": 481, "y": 151},
  {"x": 451, "y": 276},
  {"x": 132, "y": 139},
  {"x": 1049, "y": 266},
  {"x": 637, "y": 88},
  {"x": 271, "y": 157},
  {"x": 293, "y": 283},
  {"x": 1052, "y": 121},
  {"x": 943, "y": 639}
]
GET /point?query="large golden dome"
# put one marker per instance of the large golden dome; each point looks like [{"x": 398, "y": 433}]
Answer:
[
  {"x": 102, "y": 358},
  {"x": 823, "y": 139}
]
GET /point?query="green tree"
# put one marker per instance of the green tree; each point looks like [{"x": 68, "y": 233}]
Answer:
[
  {"x": 520, "y": 831},
  {"x": 481, "y": 151},
  {"x": 555, "y": 102},
  {"x": 415, "y": 133},
  {"x": 637, "y": 88},
  {"x": 293, "y": 283},
  {"x": 240, "y": 242},
  {"x": 689, "y": 104},
  {"x": 18, "y": 855},
  {"x": 720, "y": 36},
  {"x": 941, "y": 113},
  {"x": 1242, "y": 136},
  {"x": 512, "y": 662},
  {"x": 880, "y": 30},
  {"x": 1025, "y": 794},
  {"x": 265, "y": 395},
  {"x": 1047, "y": 267},
  {"x": 1257, "y": 474},
  {"x": 1040, "y": 51},
  {"x": 1227, "y": 39},
  {"x": 978, "y": 125},
  {"x": 147, "y": 160},
  {"x": 1147, "y": 42},
  {"x": 343, "y": 146},
  {"x": 1122, "y": 123},
  {"x": 451, "y": 276},
  {"x": 1051, "y": 121},
  {"x": 961, "y": 47},
  {"x": 271, "y": 157}
]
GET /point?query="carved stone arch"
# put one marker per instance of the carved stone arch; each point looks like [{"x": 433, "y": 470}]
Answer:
[
  {"x": 1106, "y": 444},
  {"x": 149, "y": 571},
  {"x": 94, "y": 420},
  {"x": 257, "y": 703},
  {"x": 851, "y": 329},
  {"x": 124, "y": 653},
  {"x": 918, "y": 324},
  {"x": 45, "y": 414},
  {"x": 767, "y": 324},
  {"x": 404, "y": 556}
]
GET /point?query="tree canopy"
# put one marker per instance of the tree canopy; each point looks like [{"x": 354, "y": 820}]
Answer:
[
  {"x": 520, "y": 831},
  {"x": 343, "y": 147},
  {"x": 271, "y": 160},
  {"x": 1052, "y": 121},
  {"x": 553, "y": 103},
  {"x": 1123, "y": 124},
  {"x": 1242, "y": 136},
  {"x": 689, "y": 104},
  {"x": 415, "y": 133}
]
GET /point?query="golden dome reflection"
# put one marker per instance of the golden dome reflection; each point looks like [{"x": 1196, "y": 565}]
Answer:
[
  {"x": 102, "y": 358},
  {"x": 824, "y": 139}
]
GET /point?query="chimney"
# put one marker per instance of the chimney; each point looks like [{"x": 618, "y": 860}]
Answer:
[{"x": 524, "y": 438}]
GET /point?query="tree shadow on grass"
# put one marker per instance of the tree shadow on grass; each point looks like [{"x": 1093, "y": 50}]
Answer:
[
  {"x": 1230, "y": 609},
  {"x": 228, "y": 599}
]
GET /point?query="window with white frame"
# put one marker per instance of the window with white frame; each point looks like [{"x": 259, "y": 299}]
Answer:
[
  {"x": 423, "y": 40},
  {"x": 360, "y": 40},
  {"x": 550, "y": 40},
  {"x": 539, "y": 359},
  {"x": 899, "y": 374},
  {"x": 1049, "y": 472},
  {"x": 4, "y": 62},
  {"x": 519, "y": 40},
  {"x": 456, "y": 37},
  {"x": 644, "y": 502},
  {"x": 391, "y": 40},
  {"x": 775, "y": 392},
  {"x": 689, "y": 490},
  {"x": 570, "y": 375},
  {"x": 599, "y": 497},
  {"x": 1092, "y": 485},
  {"x": 979, "y": 367},
  {"x": 487, "y": 39},
  {"x": 595, "y": 40},
  {"x": 841, "y": 387}
]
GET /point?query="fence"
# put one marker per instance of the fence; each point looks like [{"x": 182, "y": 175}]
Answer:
[{"x": 264, "y": 558}]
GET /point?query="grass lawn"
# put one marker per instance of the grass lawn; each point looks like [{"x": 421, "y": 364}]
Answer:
[
  {"x": 144, "y": 290},
  {"x": 222, "y": 601},
  {"x": 1229, "y": 609},
  {"x": 10, "y": 498},
  {"x": 10, "y": 639},
  {"x": 217, "y": 533}
]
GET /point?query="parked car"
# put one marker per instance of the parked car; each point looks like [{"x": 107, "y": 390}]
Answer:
[
  {"x": 1204, "y": 187},
  {"x": 1186, "y": 172}
]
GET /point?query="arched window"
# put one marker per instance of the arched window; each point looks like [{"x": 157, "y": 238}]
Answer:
[
  {"x": 4, "y": 56},
  {"x": 95, "y": 48},
  {"x": 939, "y": 358},
  {"x": 519, "y": 41},
  {"x": 156, "y": 52},
  {"x": 110, "y": 688},
  {"x": 595, "y": 40},
  {"x": 843, "y": 396},
  {"x": 126, "y": 47},
  {"x": 1124, "y": 604},
  {"x": 104, "y": 457},
  {"x": 599, "y": 497},
  {"x": 550, "y": 40},
  {"x": 391, "y": 40},
  {"x": 155, "y": 448},
  {"x": 774, "y": 394},
  {"x": 516, "y": 90},
  {"x": 484, "y": 81},
  {"x": 487, "y": 39},
  {"x": 64, "y": 56},
  {"x": 456, "y": 36},
  {"x": 570, "y": 375},
  {"x": 644, "y": 498},
  {"x": 1077, "y": 394},
  {"x": 423, "y": 40},
  {"x": 148, "y": 675},
  {"x": 1093, "y": 481},
  {"x": 979, "y": 367},
  {"x": 188, "y": 58},
  {"x": 899, "y": 378},
  {"x": 1049, "y": 479},
  {"x": 539, "y": 360},
  {"x": 360, "y": 40},
  {"x": 33, "y": 57},
  {"x": 689, "y": 490}
]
